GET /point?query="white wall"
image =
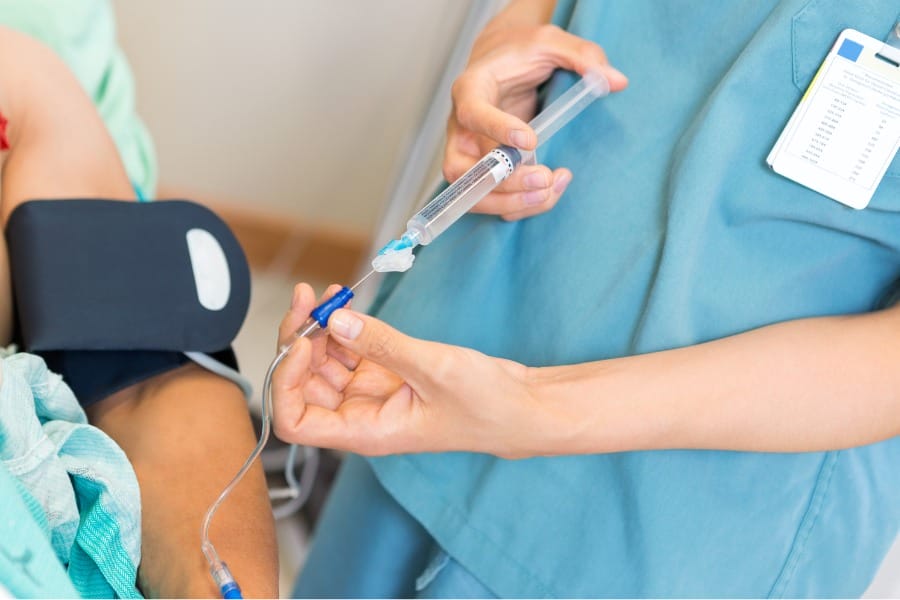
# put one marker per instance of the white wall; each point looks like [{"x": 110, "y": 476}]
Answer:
[{"x": 295, "y": 106}]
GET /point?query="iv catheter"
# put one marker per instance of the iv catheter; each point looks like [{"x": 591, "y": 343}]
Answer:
[{"x": 426, "y": 225}]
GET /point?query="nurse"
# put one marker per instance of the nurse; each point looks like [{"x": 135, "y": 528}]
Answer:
[{"x": 693, "y": 358}]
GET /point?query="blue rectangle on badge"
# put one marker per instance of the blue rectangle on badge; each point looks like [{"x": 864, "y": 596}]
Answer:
[{"x": 850, "y": 50}]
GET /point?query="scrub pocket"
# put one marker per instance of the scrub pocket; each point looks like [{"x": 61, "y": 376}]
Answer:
[{"x": 813, "y": 31}]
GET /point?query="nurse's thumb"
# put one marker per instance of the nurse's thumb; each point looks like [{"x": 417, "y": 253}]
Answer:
[{"x": 379, "y": 342}]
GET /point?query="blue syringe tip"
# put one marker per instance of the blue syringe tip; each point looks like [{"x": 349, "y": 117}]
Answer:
[{"x": 405, "y": 241}]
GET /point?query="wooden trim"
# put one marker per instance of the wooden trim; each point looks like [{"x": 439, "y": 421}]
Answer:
[{"x": 275, "y": 242}]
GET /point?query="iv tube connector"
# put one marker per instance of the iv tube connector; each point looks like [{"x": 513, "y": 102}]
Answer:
[
  {"x": 322, "y": 312},
  {"x": 410, "y": 239},
  {"x": 228, "y": 587}
]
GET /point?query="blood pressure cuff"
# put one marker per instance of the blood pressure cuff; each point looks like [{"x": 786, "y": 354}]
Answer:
[{"x": 111, "y": 293}]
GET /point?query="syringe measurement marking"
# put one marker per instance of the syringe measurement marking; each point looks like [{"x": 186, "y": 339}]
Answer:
[{"x": 439, "y": 204}]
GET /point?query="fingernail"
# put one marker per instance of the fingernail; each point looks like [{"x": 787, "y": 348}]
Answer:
[
  {"x": 536, "y": 181},
  {"x": 345, "y": 325},
  {"x": 518, "y": 138},
  {"x": 615, "y": 71},
  {"x": 295, "y": 299},
  {"x": 560, "y": 185},
  {"x": 532, "y": 198}
]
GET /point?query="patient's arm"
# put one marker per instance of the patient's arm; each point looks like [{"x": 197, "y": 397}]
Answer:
[
  {"x": 186, "y": 432},
  {"x": 59, "y": 145}
]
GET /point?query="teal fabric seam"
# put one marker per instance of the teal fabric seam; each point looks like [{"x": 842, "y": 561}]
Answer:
[
  {"x": 29, "y": 566},
  {"x": 100, "y": 538},
  {"x": 24, "y": 463},
  {"x": 804, "y": 529},
  {"x": 74, "y": 478},
  {"x": 34, "y": 507},
  {"x": 795, "y": 63},
  {"x": 460, "y": 517},
  {"x": 138, "y": 192}
]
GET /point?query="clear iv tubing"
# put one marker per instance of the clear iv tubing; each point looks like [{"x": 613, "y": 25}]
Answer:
[
  {"x": 218, "y": 569},
  {"x": 317, "y": 320},
  {"x": 476, "y": 183},
  {"x": 445, "y": 209}
]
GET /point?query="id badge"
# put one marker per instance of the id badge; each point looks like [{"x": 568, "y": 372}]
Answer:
[{"x": 845, "y": 131}]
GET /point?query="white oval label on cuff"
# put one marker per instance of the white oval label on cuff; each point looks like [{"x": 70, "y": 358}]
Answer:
[{"x": 210, "y": 268}]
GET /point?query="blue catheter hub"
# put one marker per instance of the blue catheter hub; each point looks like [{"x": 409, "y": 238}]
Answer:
[{"x": 322, "y": 312}]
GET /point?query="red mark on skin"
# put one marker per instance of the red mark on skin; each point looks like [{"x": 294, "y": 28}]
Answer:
[{"x": 4, "y": 141}]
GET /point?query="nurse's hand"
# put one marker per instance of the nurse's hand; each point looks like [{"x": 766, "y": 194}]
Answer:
[
  {"x": 369, "y": 389},
  {"x": 497, "y": 93}
]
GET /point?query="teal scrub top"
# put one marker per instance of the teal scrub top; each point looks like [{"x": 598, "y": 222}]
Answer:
[{"x": 673, "y": 232}]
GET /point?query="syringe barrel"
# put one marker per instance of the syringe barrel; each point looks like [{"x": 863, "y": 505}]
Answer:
[
  {"x": 476, "y": 183},
  {"x": 464, "y": 193},
  {"x": 562, "y": 110}
]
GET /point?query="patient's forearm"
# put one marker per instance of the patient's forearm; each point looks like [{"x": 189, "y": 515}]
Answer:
[{"x": 187, "y": 433}]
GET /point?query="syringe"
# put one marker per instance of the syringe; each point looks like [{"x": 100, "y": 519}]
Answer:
[
  {"x": 444, "y": 210},
  {"x": 498, "y": 164}
]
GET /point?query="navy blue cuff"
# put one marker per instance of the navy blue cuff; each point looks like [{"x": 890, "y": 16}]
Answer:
[{"x": 96, "y": 374}]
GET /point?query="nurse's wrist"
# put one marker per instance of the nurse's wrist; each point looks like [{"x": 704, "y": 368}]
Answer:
[
  {"x": 522, "y": 13},
  {"x": 606, "y": 406},
  {"x": 573, "y": 410}
]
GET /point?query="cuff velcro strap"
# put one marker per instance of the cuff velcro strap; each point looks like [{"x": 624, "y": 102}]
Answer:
[{"x": 95, "y": 374}]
